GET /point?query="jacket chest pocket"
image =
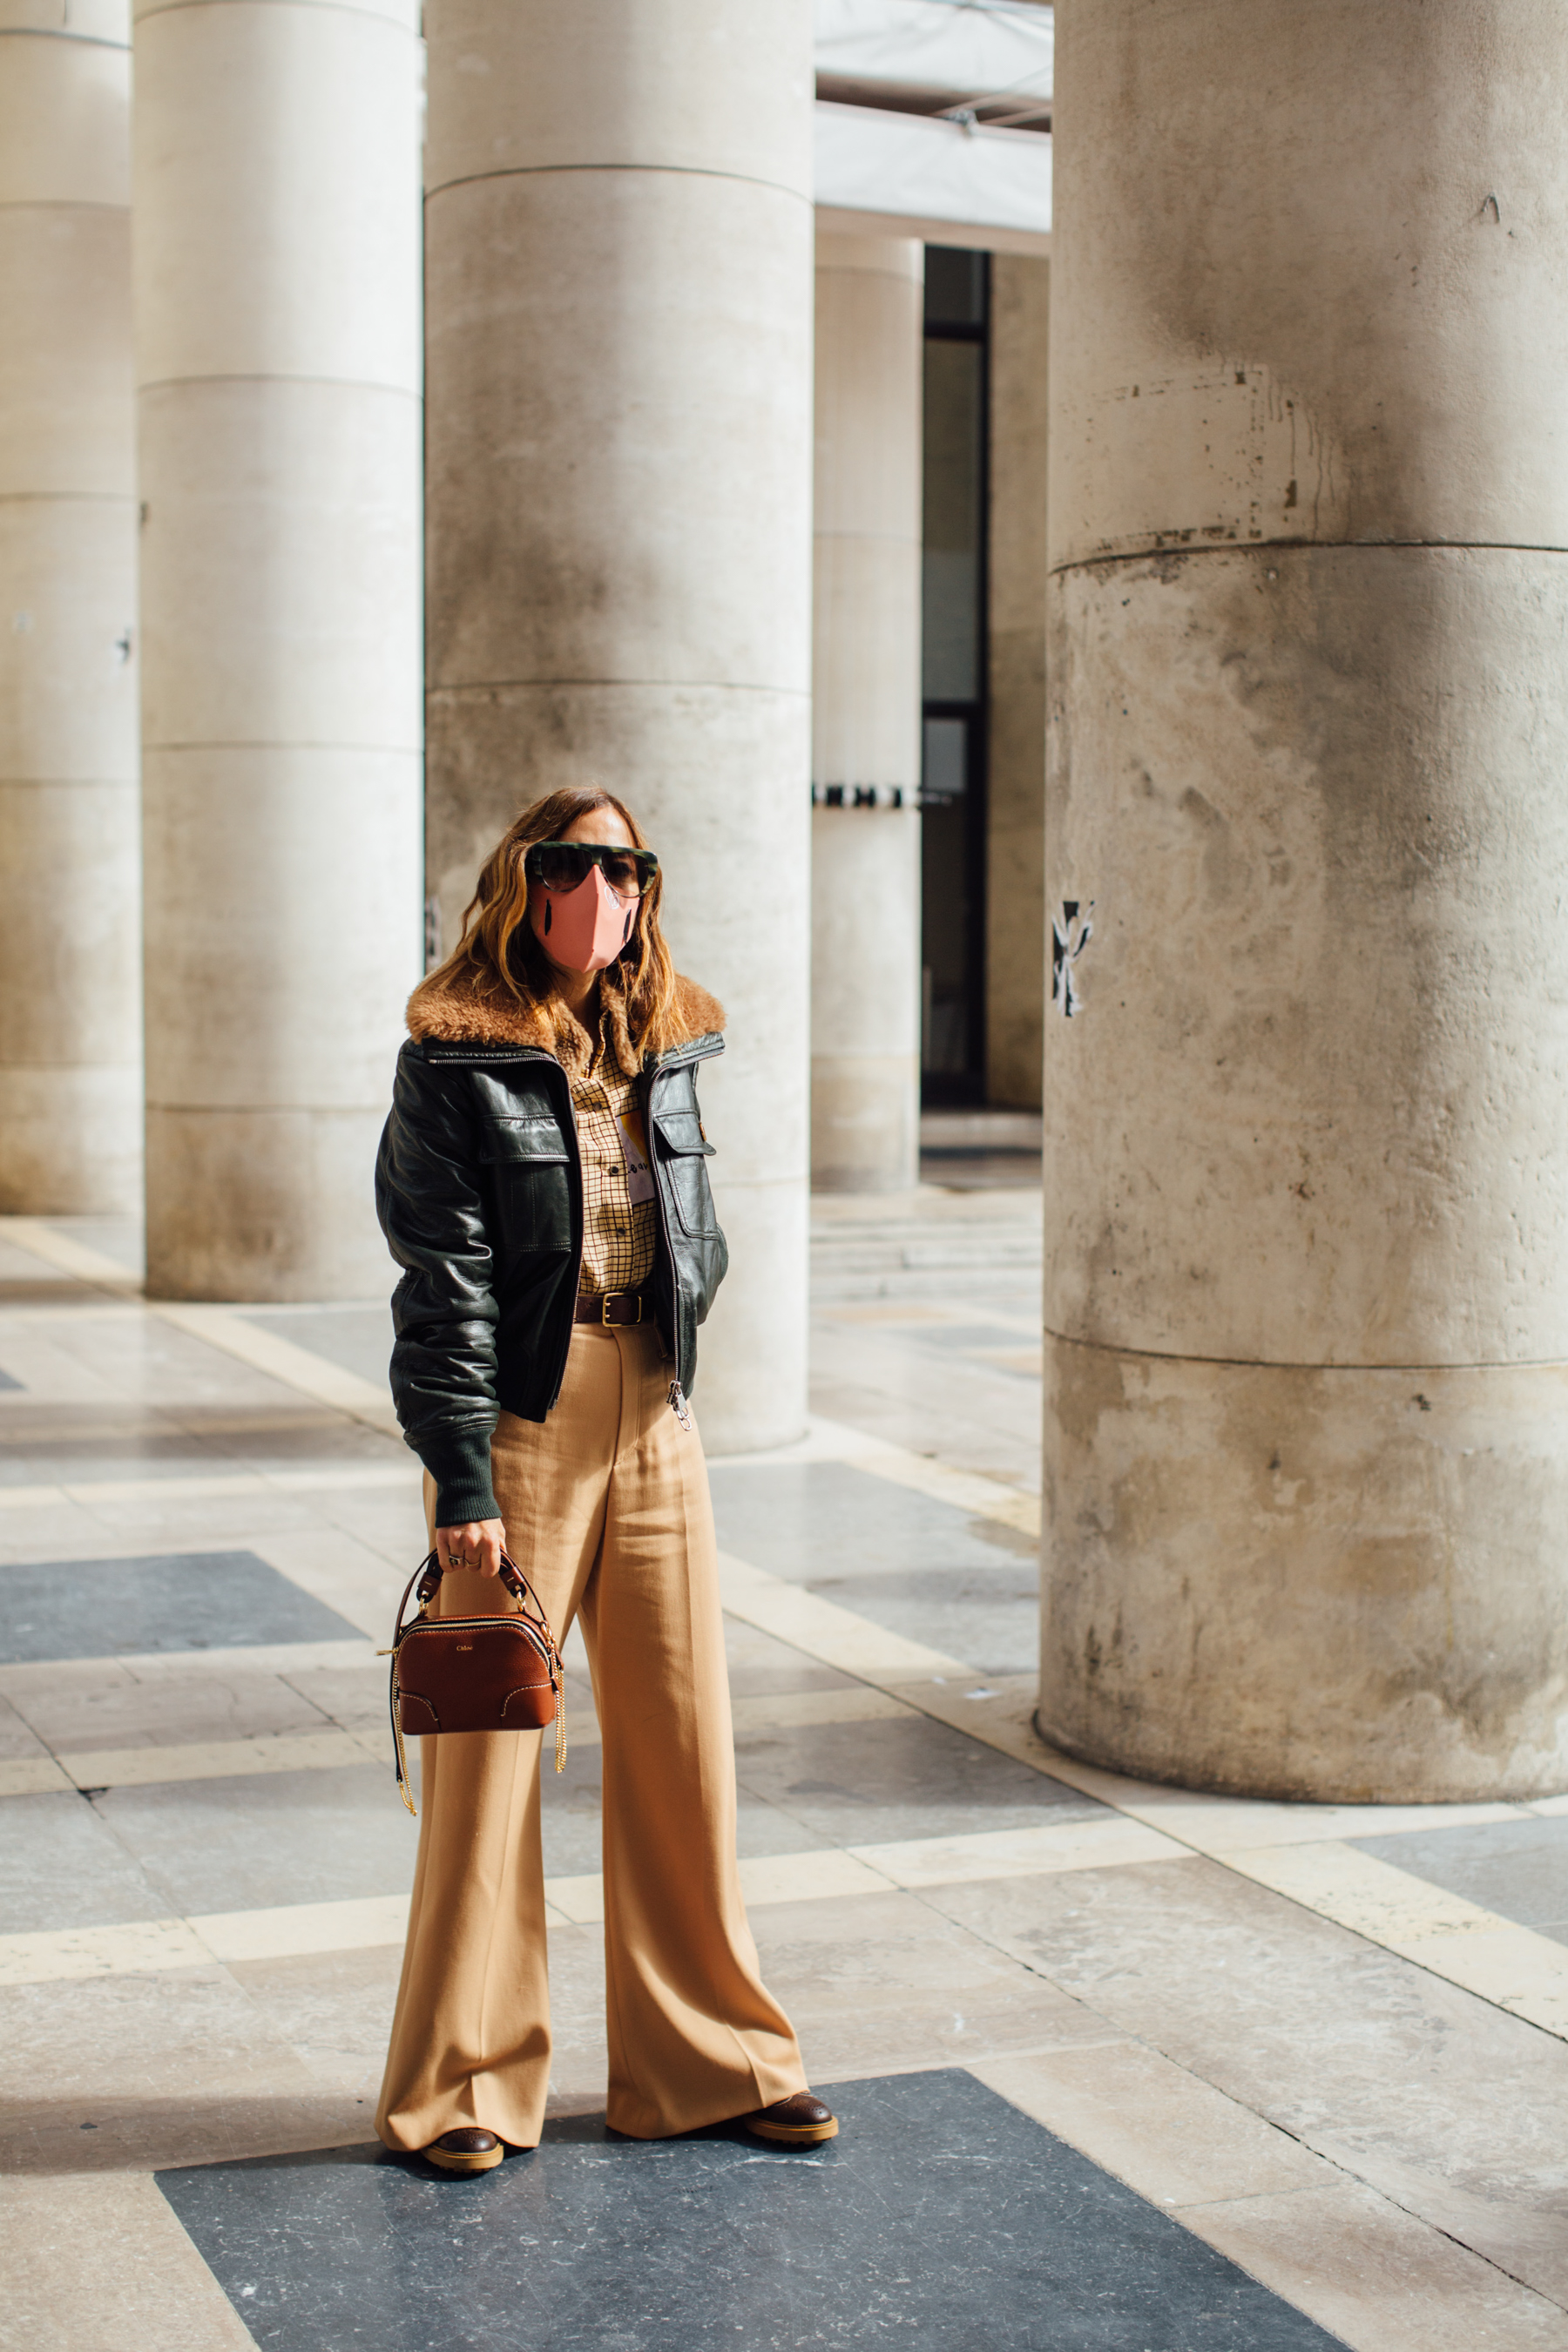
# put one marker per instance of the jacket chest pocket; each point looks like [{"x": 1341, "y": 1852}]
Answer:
[
  {"x": 684, "y": 1153},
  {"x": 530, "y": 1167}
]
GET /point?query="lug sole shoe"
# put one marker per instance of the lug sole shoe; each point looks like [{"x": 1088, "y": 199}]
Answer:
[
  {"x": 799, "y": 2121},
  {"x": 467, "y": 2150}
]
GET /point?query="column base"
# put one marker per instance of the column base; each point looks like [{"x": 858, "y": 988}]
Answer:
[
  {"x": 70, "y": 1142},
  {"x": 865, "y": 1122},
  {"x": 270, "y": 1206},
  {"x": 1333, "y": 1585}
]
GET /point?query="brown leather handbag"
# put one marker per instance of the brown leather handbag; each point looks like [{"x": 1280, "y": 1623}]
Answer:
[{"x": 473, "y": 1674}]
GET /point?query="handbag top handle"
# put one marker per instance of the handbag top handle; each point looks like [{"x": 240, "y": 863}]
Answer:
[{"x": 428, "y": 1577}]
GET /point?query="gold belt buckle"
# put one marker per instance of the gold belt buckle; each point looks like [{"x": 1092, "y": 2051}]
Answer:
[{"x": 605, "y": 1305}]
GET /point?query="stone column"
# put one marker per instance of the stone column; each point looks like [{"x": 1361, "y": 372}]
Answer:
[
  {"x": 1307, "y": 1135},
  {"x": 277, "y": 258},
  {"x": 618, "y": 273},
  {"x": 70, "y": 1032},
  {"x": 866, "y": 717},
  {"x": 1015, "y": 729}
]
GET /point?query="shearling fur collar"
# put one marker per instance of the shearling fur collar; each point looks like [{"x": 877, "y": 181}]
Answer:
[{"x": 456, "y": 1012}]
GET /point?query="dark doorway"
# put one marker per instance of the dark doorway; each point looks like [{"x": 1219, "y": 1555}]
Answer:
[{"x": 953, "y": 666}]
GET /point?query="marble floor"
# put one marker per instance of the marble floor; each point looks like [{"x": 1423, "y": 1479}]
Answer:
[{"x": 1122, "y": 2068}]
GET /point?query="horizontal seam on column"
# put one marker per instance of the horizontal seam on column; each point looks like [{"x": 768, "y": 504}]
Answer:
[
  {"x": 63, "y": 204},
  {"x": 665, "y": 170},
  {"x": 376, "y": 1109},
  {"x": 336, "y": 383},
  {"x": 280, "y": 743},
  {"x": 69, "y": 783},
  {"x": 48, "y": 32},
  {"x": 337, "y": 7},
  {"x": 675, "y": 685},
  {"x": 79, "y": 498},
  {"x": 1282, "y": 1364},
  {"x": 1275, "y": 546}
]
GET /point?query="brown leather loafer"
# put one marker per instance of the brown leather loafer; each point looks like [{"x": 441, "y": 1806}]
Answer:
[
  {"x": 467, "y": 2150},
  {"x": 799, "y": 2121}
]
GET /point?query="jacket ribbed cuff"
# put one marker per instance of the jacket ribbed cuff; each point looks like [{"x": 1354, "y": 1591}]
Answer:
[{"x": 459, "y": 1462}]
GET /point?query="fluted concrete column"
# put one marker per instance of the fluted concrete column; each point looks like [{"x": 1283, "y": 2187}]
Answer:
[
  {"x": 619, "y": 260},
  {"x": 866, "y": 717},
  {"x": 70, "y": 1032},
  {"x": 1307, "y": 1188},
  {"x": 1016, "y": 928},
  {"x": 276, "y": 263}
]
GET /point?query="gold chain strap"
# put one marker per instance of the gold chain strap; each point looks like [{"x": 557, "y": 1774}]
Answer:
[{"x": 402, "y": 1751}]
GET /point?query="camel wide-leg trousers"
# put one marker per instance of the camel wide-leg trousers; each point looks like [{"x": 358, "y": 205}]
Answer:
[{"x": 607, "y": 1511}]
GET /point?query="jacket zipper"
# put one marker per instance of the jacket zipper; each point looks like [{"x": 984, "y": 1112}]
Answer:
[
  {"x": 649, "y": 1082},
  {"x": 676, "y": 1057}
]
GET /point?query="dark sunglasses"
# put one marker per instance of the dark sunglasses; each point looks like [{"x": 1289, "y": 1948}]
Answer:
[{"x": 565, "y": 865}]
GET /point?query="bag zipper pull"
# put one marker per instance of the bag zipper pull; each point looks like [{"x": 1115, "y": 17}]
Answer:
[{"x": 679, "y": 1405}]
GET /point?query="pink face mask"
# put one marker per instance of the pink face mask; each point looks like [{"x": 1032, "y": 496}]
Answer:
[{"x": 586, "y": 928}]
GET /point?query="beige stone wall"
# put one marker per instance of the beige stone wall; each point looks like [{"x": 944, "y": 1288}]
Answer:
[{"x": 1015, "y": 784}]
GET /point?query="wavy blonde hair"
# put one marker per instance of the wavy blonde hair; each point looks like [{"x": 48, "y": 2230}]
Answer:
[{"x": 498, "y": 956}]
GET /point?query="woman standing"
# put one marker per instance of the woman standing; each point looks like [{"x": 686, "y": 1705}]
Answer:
[{"x": 542, "y": 1182}]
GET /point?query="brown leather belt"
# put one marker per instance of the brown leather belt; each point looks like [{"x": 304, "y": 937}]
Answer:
[{"x": 612, "y": 1307}]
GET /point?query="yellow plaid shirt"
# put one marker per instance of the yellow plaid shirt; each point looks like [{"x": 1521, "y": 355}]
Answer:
[{"x": 618, "y": 1234}]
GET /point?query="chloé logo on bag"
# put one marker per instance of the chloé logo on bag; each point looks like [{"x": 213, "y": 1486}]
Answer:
[{"x": 464, "y": 1645}]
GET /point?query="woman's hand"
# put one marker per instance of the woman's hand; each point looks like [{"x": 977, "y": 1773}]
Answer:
[{"x": 476, "y": 1547}]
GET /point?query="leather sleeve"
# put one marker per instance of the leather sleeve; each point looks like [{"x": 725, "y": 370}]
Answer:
[{"x": 444, "y": 1310}]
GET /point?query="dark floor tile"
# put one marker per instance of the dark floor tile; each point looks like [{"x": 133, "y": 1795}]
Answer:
[
  {"x": 965, "y": 1585},
  {"x": 990, "y": 1617},
  {"x": 175, "y": 1601},
  {"x": 572, "y": 1812},
  {"x": 1518, "y": 1869},
  {"x": 903, "y": 1777},
  {"x": 283, "y": 1837},
  {"x": 62, "y": 1867},
  {"x": 809, "y": 1519},
  {"x": 760, "y": 1666},
  {"x": 120, "y": 1238},
  {"x": 940, "y": 2217},
  {"x": 358, "y": 1339}
]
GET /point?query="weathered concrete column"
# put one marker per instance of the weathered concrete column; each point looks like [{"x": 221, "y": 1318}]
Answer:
[
  {"x": 71, "y": 1031},
  {"x": 1307, "y": 1136},
  {"x": 277, "y": 262},
  {"x": 618, "y": 277},
  {"x": 866, "y": 717},
  {"x": 1015, "y": 725}
]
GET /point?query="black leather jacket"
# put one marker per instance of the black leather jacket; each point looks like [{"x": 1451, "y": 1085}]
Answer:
[{"x": 479, "y": 1186}]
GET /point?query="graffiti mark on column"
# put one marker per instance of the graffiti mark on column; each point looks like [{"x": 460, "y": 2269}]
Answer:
[{"x": 1070, "y": 934}]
